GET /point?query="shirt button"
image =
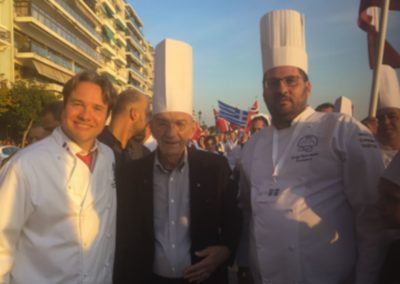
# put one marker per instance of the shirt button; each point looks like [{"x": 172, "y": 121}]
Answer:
[
  {"x": 171, "y": 179},
  {"x": 172, "y": 222},
  {"x": 173, "y": 246},
  {"x": 172, "y": 201},
  {"x": 292, "y": 248}
]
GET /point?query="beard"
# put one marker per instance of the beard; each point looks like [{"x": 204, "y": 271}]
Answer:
[{"x": 140, "y": 136}]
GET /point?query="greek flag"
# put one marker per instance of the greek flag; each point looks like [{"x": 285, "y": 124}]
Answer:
[{"x": 232, "y": 114}]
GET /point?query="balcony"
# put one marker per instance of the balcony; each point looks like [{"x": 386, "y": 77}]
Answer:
[
  {"x": 136, "y": 74},
  {"x": 45, "y": 61},
  {"x": 120, "y": 24},
  {"x": 108, "y": 8},
  {"x": 5, "y": 36},
  {"x": 89, "y": 28},
  {"x": 134, "y": 29},
  {"x": 107, "y": 50},
  {"x": 50, "y": 30},
  {"x": 134, "y": 41},
  {"x": 120, "y": 58},
  {"x": 132, "y": 55},
  {"x": 122, "y": 76}
]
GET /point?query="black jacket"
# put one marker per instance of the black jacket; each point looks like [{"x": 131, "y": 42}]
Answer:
[{"x": 215, "y": 216}]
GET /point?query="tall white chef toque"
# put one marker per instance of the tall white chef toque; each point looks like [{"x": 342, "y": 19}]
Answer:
[
  {"x": 283, "y": 40},
  {"x": 389, "y": 90},
  {"x": 173, "y": 79}
]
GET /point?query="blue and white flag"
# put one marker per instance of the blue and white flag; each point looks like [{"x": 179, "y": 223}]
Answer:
[{"x": 232, "y": 114}]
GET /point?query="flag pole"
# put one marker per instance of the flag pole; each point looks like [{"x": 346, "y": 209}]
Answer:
[{"x": 378, "y": 60}]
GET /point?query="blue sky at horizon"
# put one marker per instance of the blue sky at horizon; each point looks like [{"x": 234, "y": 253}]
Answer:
[{"x": 226, "y": 48}]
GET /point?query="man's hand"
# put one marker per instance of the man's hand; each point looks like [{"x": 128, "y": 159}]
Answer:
[
  {"x": 244, "y": 275},
  {"x": 213, "y": 257}
]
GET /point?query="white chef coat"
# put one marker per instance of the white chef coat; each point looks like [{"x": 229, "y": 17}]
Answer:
[
  {"x": 309, "y": 224},
  {"x": 57, "y": 218},
  {"x": 387, "y": 154}
]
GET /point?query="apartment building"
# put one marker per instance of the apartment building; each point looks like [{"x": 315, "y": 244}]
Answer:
[
  {"x": 6, "y": 39},
  {"x": 54, "y": 39}
]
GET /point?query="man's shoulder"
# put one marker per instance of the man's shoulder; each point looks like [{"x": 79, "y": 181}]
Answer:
[
  {"x": 143, "y": 163},
  {"x": 206, "y": 159}
]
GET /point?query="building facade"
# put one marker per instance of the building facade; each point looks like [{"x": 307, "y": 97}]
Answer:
[{"x": 50, "y": 40}]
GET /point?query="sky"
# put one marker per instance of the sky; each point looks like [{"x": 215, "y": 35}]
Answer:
[{"x": 225, "y": 38}]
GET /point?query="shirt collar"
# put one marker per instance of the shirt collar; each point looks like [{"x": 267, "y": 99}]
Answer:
[
  {"x": 180, "y": 167},
  {"x": 303, "y": 115},
  {"x": 70, "y": 145}
]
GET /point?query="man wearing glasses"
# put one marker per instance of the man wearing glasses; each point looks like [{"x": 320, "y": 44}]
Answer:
[{"x": 308, "y": 182}]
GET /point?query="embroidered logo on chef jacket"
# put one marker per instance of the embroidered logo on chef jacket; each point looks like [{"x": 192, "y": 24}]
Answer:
[
  {"x": 306, "y": 147},
  {"x": 307, "y": 143},
  {"x": 366, "y": 140}
]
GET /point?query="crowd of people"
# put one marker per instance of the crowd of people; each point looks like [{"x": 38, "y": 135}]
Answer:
[{"x": 306, "y": 197}]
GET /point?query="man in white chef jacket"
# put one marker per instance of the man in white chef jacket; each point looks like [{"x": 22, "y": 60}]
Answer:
[
  {"x": 388, "y": 114},
  {"x": 309, "y": 181},
  {"x": 58, "y": 199}
]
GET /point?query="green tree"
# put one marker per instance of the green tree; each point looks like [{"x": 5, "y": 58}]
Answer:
[{"x": 20, "y": 106}]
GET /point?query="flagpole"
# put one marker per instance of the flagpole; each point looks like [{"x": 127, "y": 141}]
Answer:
[{"x": 378, "y": 60}]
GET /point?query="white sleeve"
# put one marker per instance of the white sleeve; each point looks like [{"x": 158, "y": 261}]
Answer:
[
  {"x": 15, "y": 207},
  {"x": 362, "y": 169},
  {"x": 242, "y": 254}
]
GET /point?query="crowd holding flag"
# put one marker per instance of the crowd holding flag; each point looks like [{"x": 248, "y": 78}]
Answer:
[
  {"x": 254, "y": 110},
  {"x": 221, "y": 124},
  {"x": 237, "y": 118}
]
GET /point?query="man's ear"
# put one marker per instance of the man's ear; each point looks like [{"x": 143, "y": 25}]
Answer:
[
  {"x": 308, "y": 88},
  {"x": 133, "y": 114}
]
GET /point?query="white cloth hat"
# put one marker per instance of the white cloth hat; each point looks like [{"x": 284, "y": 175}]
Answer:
[
  {"x": 392, "y": 172},
  {"x": 344, "y": 105},
  {"x": 389, "y": 91},
  {"x": 173, "y": 77},
  {"x": 283, "y": 40}
]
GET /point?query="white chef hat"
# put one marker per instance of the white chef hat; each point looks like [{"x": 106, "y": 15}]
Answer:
[
  {"x": 173, "y": 77},
  {"x": 389, "y": 91},
  {"x": 344, "y": 105},
  {"x": 283, "y": 40},
  {"x": 392, "y": 172}
]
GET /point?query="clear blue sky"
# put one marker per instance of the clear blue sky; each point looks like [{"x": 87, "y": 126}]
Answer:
[{"x": 224, "y": 35}]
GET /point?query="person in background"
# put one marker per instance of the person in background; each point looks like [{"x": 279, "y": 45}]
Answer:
[
  {"x": 58, "y": 198},
  {"x": 148, "y": 141},
  {"x": 388, "y": 114},
  {"x": 221, "y": 143},
  {"x": 178, "y": 217},
  {"x": 37, "y": 133},
  {"x": 325, "y": 107},
  {"x": 390, "y": 201},
  {"x": 51, "y": 115},
  {"x": 311, "y": 206},
  {"x": 371, "y": 124},
  {"x": 201, "y": 145},
  {"x": 210, "y": 143},
  {"x": 257, "y": 123},
  {"x": 129, "y": 119}
]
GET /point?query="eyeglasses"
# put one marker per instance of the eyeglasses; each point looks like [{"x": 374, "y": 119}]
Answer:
[{"x": 289, "y": 81}]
